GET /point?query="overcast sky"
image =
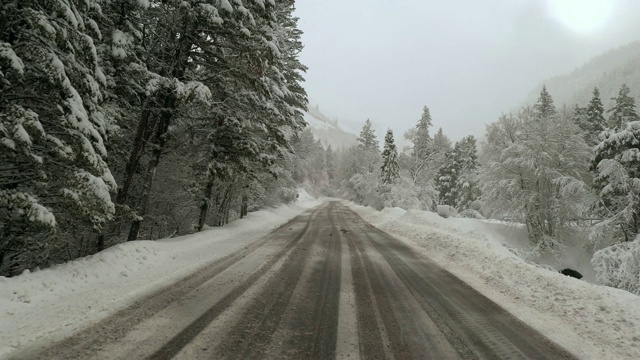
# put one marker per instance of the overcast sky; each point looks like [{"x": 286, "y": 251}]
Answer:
[{"x": 468, "y": 60}]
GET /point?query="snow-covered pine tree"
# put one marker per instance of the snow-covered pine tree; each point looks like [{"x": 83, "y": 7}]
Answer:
[
  {"x": 367, "y": 139},
  {"x": 441, "y": 142},
  {"x": 446, "y": 179},
  {"x": 422, "y": 153},
  {"x": 176, "y": 28},
  {"x": 390, "y": 168},
  {"x": 467, "y": 187},
  {"x": 544, "y": 106},
  {"x": 266, "y": 97},
  {"x": 421, "y": 138},
  {"x": 580, "y": 118},
  {"x": 624, "y": 110},
  {"x": 595, "y": 122},
  {"x": 53, "y": 172},
  {"x": 457, "y": 180},
  {"x": 617, "y": 168}
]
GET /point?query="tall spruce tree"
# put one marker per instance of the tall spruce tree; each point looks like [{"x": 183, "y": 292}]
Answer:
[
  {"x": 580, "y": 118},
  {"x": 467, "y": 188},
  {"x": 445, "y": 181},
  {"x": 421, "y": 137},
  {"x": 422, "y": 153},
  {"x": 624, "y": 110},
  {"x": 441, "y": 142},
  {"x": 617, "y": 169},
  {"x": 595, "y": 121},
  {"x": 367, "y": 139},
  {"x": 390, "y": 169},
  {"x": 544, "y": 107}
]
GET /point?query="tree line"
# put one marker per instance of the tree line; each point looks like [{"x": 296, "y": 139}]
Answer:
[
  {"x": 562, "y": 172},
  {"x": 124, "y": 119}
]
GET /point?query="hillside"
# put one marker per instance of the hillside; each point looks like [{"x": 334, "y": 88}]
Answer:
[
  {"x": 341, "y": 133},
  {"x": 607, "y": 72},
  {"x": 328, "y": 130}
]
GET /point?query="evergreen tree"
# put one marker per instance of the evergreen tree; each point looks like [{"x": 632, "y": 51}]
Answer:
[
  {"x": 441, "y": 142},
  {"x": 467, "y": 188},
  {"x": 595, "y": 121},
  {"x": 53, "y": 127},
  {"x": 624, "y": 110},
  {"x": 422, "y": 154},
  {"x": 213, "y": 88},
  {"x": 421, "y": 138},
  {"x": 617, "y": 168},
  {"x": 390, "y": 168},
  {"x": 580, "y": 118},
  {"x": 445, "y": 182},
  {"x": 544, "y": 107},
  {"x": 367, "y": 139},
  {"x": 456, "y": 181}
]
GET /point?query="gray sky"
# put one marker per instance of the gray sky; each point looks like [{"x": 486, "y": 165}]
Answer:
[{"x": 468, "y": 60}]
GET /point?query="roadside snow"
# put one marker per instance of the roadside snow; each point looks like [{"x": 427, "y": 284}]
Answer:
[
  {"x": 54, "y": 303},
  {"x": 591, "y": 321}
]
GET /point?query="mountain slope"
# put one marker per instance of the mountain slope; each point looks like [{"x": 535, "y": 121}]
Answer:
[
  {"x": 607, "y": 72},
  {"x": 328, "y": 130}
]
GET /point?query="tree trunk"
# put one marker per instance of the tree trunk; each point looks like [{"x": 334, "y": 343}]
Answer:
[
  {"x": 220, "y": 215},
  {"x": 143, "y": 133},
  {"x": 100, "y": 243},
  {"x": 159, "y": 140},
  {"x": 244, "y": 206},
  {"x": 206, "y": 201}
]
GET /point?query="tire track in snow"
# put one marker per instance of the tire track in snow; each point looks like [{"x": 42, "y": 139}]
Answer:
[
  {"x": 487, "y": 329},
  {"x": 170, "y": 349}
]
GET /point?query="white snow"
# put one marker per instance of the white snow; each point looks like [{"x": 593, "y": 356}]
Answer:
[
  {"x": 121, "y": 41},
  {"x": 48, "y": 305},
  {"x": 591, "y": 321},
  {"x": 226, "y": 5},
  {"x": 7, "y": 53}
]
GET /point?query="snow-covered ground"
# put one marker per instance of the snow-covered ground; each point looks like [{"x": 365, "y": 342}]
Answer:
[
  {"x": 592, "y": 321},
  {"x": 51, "y": 304}
]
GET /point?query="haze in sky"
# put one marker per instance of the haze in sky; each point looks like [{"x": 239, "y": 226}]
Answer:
[{"x": 467, "y": 60}]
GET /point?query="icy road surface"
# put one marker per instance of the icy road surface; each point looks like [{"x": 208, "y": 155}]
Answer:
[{"x": 325, "y": 285}]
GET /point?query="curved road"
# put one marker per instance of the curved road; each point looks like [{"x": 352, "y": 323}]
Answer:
[{"x": 325, "y": 285}]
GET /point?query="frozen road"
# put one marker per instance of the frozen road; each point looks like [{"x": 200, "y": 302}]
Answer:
[{"x": 326, "y": 285}]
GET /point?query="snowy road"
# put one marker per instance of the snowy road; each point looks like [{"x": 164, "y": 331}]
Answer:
[{"x": 325, "y": 285}]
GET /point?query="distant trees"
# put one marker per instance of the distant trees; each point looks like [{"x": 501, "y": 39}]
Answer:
[{"x": 550, "y": 169}]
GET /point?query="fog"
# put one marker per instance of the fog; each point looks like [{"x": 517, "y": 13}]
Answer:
[{"x": 467, "y": 60}]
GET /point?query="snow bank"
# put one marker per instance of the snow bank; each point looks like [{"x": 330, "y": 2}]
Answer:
[
  {"x": 593, "y": 322},
  {"x": 51, "y": 304}
]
